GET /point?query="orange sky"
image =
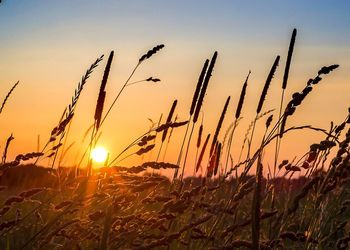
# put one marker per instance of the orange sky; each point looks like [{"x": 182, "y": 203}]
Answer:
[{"x": 49, "y": 54}]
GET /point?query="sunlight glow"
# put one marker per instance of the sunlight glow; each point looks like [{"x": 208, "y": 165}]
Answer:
[{"x": 99, "y": 154}]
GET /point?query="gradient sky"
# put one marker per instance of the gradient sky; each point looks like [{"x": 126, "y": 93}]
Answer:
[{"x": 48, "y": 45}]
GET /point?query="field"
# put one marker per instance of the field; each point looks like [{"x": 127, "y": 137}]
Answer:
[{"x": 230, "y": 202}]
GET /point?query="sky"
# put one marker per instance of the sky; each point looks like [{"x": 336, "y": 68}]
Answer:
[{"x": 48, "y": 45}]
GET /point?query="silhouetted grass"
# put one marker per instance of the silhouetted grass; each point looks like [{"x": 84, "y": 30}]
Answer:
[{"x": 224, "y": 207}]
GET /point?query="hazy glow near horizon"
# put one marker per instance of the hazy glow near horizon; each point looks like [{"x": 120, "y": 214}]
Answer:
[{"x": 48, "y": 45}]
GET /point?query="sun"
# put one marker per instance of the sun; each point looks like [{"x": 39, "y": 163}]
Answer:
[{"x": 99, "y": 154}]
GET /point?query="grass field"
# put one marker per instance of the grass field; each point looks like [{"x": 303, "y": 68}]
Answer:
[{"x": 229, "y": 202}]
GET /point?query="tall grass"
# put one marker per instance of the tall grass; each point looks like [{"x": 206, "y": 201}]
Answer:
[
  {"x": 262, "y": 100},
  {"x": 284, "y": 86},
  {"x": 198, "y": 107},
  {"x": 194, "y": 104},
  {"x": 303, "y": 203},
  {"x": 99, "y": 108},
  {"x": 237, "y": 116}
]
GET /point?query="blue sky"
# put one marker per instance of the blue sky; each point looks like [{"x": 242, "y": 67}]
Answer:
[{"x": 327, "y": 21}]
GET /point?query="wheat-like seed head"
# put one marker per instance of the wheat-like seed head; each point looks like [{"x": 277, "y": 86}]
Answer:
[
  {"x": 267, "y": 84},
  {"x": 289, "y": 59},
  {"x": 218, "y": 128},
  {"x": 169, "y": 118},
  {"x": 151, "y": 52},
  {"x": 199, "y": 86},
  {"x": 204, "y": 87},
  {"x": 8, "y": 96}
]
